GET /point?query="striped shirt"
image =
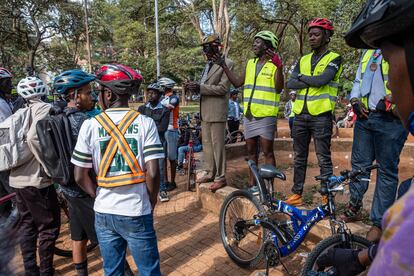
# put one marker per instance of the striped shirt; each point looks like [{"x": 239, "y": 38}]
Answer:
[{"x": 142, "y": 138}]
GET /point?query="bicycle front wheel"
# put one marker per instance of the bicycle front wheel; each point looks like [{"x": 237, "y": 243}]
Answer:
[
  {"x": 356, "y": 242},
  {"x": 244, "y": 244}
]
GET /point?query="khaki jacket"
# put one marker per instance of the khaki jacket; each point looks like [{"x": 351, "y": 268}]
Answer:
[
  {"x": 215, "y": 94},
  {"x": 32, "y": 173}
]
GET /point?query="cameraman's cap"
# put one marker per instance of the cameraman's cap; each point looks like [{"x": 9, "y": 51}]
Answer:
[{"x": 209, "y": 39}]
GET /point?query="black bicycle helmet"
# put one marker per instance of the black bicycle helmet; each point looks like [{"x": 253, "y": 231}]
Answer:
[
  {"x": 379, "y": 20},
  {"x": 382, "y": 20}
]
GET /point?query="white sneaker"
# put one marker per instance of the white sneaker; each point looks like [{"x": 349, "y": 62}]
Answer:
[{"x": 164, "y": 196}]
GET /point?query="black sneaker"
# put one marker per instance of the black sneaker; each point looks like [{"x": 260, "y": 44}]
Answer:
[
  {"x": 164, "y": 196},
  {"x": 171, "y": 186}
]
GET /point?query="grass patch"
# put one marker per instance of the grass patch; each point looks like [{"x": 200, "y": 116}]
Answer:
[{"x": 190, "y": 109}]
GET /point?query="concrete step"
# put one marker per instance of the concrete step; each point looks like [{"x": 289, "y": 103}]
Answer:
[{"x": 286, "y": 144}]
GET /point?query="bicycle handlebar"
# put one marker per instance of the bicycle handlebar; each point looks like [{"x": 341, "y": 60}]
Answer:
[{"x": 352, "y": 174}]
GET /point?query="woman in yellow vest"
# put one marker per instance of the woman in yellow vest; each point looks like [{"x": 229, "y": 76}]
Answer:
[
  {"x": 263, "y": 82},
  {"x": 315, "y": 78}
]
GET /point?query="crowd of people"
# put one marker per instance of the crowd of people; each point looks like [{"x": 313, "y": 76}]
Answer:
[{"x": 120, "y": 156}]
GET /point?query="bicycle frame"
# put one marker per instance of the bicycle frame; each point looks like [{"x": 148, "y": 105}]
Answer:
[{"x": 302, "y": 220}]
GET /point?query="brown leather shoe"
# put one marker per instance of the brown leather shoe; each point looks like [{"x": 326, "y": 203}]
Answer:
[
  {"x": 218, "y": 185},
  {"x": 374, "y": 234},
  {"x": 204, "y": 179}
]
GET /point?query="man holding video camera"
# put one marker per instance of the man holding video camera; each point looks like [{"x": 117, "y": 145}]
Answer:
[{"x": 213, "y": 89}]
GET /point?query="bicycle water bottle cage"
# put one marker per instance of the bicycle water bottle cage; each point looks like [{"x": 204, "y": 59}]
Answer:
[{"x": 268, "y": 171}]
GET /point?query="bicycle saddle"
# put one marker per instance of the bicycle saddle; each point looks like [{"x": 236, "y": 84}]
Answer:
[{"x": 267, "y": 171}]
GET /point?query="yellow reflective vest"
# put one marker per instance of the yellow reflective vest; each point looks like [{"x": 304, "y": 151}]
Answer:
[
  {"x": 318, "y": 99},
  {"x": 384, "y": 70},
  {"x": 259, "y": 92}
]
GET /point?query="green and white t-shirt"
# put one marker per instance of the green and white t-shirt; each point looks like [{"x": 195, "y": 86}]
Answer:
[{"x": 142, "y": 137}]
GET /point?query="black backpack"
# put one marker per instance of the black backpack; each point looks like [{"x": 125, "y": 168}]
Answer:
[{"x": 55, "y": 139}]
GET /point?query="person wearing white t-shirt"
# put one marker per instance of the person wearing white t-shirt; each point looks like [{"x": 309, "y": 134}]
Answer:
[{"x": 123, "y": 148}]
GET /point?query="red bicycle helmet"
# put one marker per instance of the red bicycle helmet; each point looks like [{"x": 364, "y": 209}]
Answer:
[
  {"x": 119, "y": 78},
  {"x": 323, "y": 23}
]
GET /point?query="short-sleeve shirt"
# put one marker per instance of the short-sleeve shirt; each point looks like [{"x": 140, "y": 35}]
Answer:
[
  {"x": 172, "y": 99},
  {"x": 143, "y": 139}
]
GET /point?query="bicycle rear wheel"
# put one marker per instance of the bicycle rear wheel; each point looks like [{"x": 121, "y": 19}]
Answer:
[
  {"x": 244, "y": 244},
  {"x": 356, "y": 242},
  {"x": 237, "y": 136}
]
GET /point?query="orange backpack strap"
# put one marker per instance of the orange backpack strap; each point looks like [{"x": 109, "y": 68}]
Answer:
[{"x": 118, "y": 142}]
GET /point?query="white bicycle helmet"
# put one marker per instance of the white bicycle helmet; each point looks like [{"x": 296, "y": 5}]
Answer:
[
  {"x": 4, "y": 73},
  {"x": 166, "y": 82},
  {"x": 31, "y": 87}
]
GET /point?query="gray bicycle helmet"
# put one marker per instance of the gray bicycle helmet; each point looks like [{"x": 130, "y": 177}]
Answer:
[{"x": 166, "y": 82}]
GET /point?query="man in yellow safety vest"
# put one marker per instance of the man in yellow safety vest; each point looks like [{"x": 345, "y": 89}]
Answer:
[{"x": 316, "y": 78}]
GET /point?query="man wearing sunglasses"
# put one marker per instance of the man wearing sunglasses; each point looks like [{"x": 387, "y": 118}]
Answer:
[{"x": 214, "y": 89}]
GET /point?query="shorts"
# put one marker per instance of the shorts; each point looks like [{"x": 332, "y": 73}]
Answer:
[
  {"x": 171, "y": 136},
  {"x": 82, "y": 219}
]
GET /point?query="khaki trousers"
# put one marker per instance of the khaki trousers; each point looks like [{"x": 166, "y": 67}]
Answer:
[{"x": 213, "y": 148}]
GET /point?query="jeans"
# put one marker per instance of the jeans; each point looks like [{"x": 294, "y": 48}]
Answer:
[
  {"x": 171, "y": 136},
  {"x": 291, "y": 119},
  {"x": 161, "y": 163},
  {"x": 233, "y": 125},
  {"x": 40, "y": 220},
  {"x": 116, "y": 232},
  {"x": 184, "y": 149},
  {"x": 306, "y": 126},
  {"x": 381, "y": 137}
]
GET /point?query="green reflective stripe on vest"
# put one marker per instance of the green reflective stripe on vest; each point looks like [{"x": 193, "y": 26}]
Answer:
[
  {"x": 318, "y": 99},
  {"x": 366, "y": 57},
  {"x": 265, "y": 100}
]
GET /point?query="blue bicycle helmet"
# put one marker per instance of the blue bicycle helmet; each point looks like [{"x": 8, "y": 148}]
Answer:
[{"x": 71, "y": 79}]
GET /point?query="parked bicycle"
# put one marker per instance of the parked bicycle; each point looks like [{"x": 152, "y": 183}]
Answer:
[
  {"x": 234, "y": 137},
  {"x": 189, "y": 164},
  {"x": 256, "y": 230}
]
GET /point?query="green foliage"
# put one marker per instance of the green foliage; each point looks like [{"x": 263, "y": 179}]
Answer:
[{"x": 123, "y": 31}]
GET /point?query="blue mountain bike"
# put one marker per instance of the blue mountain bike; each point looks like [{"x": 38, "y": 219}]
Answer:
[{"x": 262, "y": 230}]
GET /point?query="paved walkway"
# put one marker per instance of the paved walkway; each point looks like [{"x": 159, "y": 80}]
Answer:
[{"x": 188, "y": 242}]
